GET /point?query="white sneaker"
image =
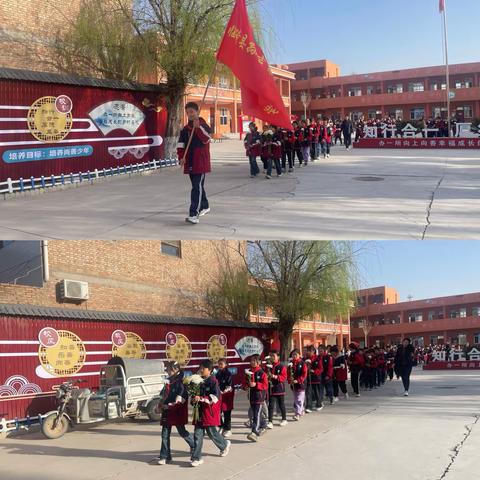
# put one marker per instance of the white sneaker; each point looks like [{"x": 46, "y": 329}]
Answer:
[
  {"x": 335, "y": 399},
  {"x": 347, "y": 396},
  {"x": 248, "y": 424},
  {"x": 227, "y": 433},
  {"x": 203, "y": 212},
  {"x": 158, "y": 461},
  {"x": 268, "y": 177},
  {"x": 197, "y": 463},
  {"x": 357, "y": 394},
  {"x": 328, "y": 155},
  {"x": 296, "y": 418},
  {"x": 269, "y": 425},
  {"x": 193, "y": 220},
  {"x": 307, "y": 410},
  {"x": 283, "y": 423},
  {"x": 406, "y": 393},
  {"x": 319, "y": 408},
  {"x": 252, "y": 437},
  {"x": 224, "y": 453}
]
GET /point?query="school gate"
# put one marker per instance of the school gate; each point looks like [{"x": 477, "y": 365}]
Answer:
[
  {"x": 54, "y": 124},
  {"x": 41, "y": 347}
]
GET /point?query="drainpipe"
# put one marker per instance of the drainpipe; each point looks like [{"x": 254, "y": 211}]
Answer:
[{"x": 46, "y": 271}]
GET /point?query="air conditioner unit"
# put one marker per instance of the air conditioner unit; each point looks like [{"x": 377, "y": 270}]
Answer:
[{"x": 74, "y": 290}]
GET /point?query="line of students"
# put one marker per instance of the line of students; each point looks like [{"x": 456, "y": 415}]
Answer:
[
  {"x": 321, "y": 373},
  {"x": 277, "y": 147}
]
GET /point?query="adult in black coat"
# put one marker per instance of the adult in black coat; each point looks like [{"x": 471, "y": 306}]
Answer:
[
  {"x": 347, "y": 130},
  {"x": 404, "y": 360}
]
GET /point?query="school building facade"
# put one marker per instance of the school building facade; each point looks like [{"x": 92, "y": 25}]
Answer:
[
  {"x": 407, "y": 94},
  {"x": 384, "y": 320}
]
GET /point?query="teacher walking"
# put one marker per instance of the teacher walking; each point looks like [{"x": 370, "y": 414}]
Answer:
[{"x": 404, "y": 363}]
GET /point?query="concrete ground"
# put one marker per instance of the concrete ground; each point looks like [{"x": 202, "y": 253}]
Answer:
[
  {"x": 356, "y": 194},
  {"x": 432, "y": 435}
]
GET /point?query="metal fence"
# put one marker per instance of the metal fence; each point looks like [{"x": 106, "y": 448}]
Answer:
[{"x": 43, "y": 182}]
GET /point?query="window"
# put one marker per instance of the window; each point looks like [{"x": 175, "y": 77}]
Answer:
[
  {"x": 370, "y": 90},
  {"x": 223, "y": 116},
  {"x": 262, "y": 311},
  {"x": 415, "y": 317},
  {"x": 458, "y": 312},
  {"x": 317, "y": 72},
  {"x": 417, "y": 113},
  {"x": 467, "y": 83},
  {"x": 416, "y": 87},
  {"x": 223, "y": 82},
  {"x": 354, "y": 92},
  {"x": 476, "y": 338},
  {"x": 172, "y": 248},
  {"x": 438, "y": 85},
  {"x": 396, "y": 88},
  {"x": 376, "y": 299},
  {"x": 435, "y": 314},
  {"x": 301, "y": 75},
  {"x": 372, "y": 114},
  {"x": 466, "y": 111},
  {"x": 462, "y": 338},
  {"x": 440, "y": 112},
  {"x": 476, "y": 312}
]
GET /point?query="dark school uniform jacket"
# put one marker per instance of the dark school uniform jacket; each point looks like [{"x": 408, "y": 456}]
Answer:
[
  {"x": 225, "y": 383},
  {"x": 198, "y": 155},
  {"x": 175, "y": 398}
]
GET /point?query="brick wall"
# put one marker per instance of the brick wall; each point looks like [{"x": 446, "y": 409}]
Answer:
[
  {"x": 25, "y": 26},
  {"x": 132, "y": 276}
]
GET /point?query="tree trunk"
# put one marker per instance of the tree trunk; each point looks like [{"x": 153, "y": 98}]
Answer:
[
  {"x": 285, "y": 335},
  {"x": 174, "y": 103}
]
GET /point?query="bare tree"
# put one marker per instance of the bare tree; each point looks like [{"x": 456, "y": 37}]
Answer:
[{"x": 301, "y": 278}]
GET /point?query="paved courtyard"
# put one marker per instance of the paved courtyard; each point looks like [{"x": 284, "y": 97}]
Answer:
[
  {"x": 355, "y": 194},
  {"x": 432, "y": 435}
]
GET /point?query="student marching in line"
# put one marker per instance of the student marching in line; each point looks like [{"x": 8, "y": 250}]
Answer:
[
  {"x": 225, "y": 383},
  {"x": 355, "y": 363},
  {"x": 174, "y": 413},
  {"x": 253, "y": 148},
  {"x": 287, "y": 139},
  {"x": 326, "y": 138},
  {"x": 271, "y": 151},
  {"x": 307, "y": 138},
  {"x": 340, "y": 373},
  {"x": 326, "y": 386},
  {"x": 256, "y": 383},
  {"x": 297, "y": 144},
  {"x": 297, "y": 378},
  {"x": 210, "y": 405},
  {"x": 277, "y": 378},
  {"x": 314, "y": 380}
]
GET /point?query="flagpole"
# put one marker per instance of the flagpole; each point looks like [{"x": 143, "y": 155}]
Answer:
[
  {"x": 210, "y": 78},
  {"x": 447, "y": 67}
]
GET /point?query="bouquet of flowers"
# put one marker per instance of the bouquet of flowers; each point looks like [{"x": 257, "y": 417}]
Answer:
[
  {"x": 291, "y": 376},
  {"x": 192, "y": 384}
]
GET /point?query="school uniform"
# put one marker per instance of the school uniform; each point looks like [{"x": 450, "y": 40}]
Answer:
[
  {"x": 314, "y": 382},
  {"x": 297, "y": 150},
  {"x": 197, "y": 164},
  {"x": 306, "y": 144},
  {"x": 340, "y": 375},
  {"x": 325, "y": 139},
  {"x": 287, "y": 139},
  {"x": 174, "y": 414},
  {"x": 257, "y": 397},
  {"x": 277, "y": 390},
  {"x": 370, "y": 366},
  {"x": 315, "y": 149},
  {"x": 253, "y": 149},
  {"x": 210, "y": 411},
  {"x": 297, "y": 379},
  {"x": 225, "y": 383},
  {"x": 326, "y": 386},
  {"x": 355, "y": 363}
]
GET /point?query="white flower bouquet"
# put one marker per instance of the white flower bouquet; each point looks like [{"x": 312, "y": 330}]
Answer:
[{"x": 192, "y": 384}]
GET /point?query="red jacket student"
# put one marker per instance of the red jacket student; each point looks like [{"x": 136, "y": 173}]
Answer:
[
  {"x": 198, "y": 155},
  {"x": 175, "y": 396},
  {"x": 210, "y": 403},
  {"x": 279, "y": 376},
  {"x": 258, "y": 393},
  {"x": 316, "y": 369},
  {"x": 298, "y": 372}
]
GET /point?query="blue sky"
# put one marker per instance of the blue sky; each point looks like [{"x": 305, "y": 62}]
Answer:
[
  {"x": 370, "y": 35},
  {"x": 423, "y": 269}
]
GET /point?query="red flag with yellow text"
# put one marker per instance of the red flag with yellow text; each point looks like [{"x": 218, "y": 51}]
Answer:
[{"x": 261, "y": 97}]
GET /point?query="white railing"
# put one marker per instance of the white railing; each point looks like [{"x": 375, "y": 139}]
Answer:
[{"x": 31, "y": 184}]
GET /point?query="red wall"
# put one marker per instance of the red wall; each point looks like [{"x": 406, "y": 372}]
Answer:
[
  {"x": 19, "y": 355},
  {"x": 16, "y": 97}
]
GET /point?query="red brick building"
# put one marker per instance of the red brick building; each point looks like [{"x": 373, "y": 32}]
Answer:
[
  {"x": 454, "y": 319},
  {"x": 407, "y": 94}
]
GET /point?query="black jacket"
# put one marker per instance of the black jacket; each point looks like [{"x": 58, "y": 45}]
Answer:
[{"x": 404, "y": 356}]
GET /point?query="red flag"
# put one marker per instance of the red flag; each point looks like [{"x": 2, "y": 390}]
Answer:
[
  {"x": 260, "y": 95},
  {"x": 441, "y": 5}
]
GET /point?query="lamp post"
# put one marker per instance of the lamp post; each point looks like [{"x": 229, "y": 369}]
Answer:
[{"x": 305, "y": 98}]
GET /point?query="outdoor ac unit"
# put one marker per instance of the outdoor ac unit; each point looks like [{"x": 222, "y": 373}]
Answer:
[{"x": 74, "y": 290}]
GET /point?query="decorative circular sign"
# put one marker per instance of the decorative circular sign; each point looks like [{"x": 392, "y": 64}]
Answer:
[
  {"x": 63, "y": 104},
  {"x": 46, "y": 123},
  {"x": 132, "y": 348},
  {"x": 48, "y": 337},
  {"x": 66, "y": 357},
  {"x": 119, "y": 338},
  {"x": 180, "y": 351},
  {"x": 215, "y": 350},
  {"x": 222, "y": 338}
]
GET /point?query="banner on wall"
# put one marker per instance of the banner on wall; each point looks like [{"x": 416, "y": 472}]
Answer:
[{"x": 51, "y": 128}]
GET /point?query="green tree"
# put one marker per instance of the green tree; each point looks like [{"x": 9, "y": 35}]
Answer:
[{"x": 301, "y": 278}]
